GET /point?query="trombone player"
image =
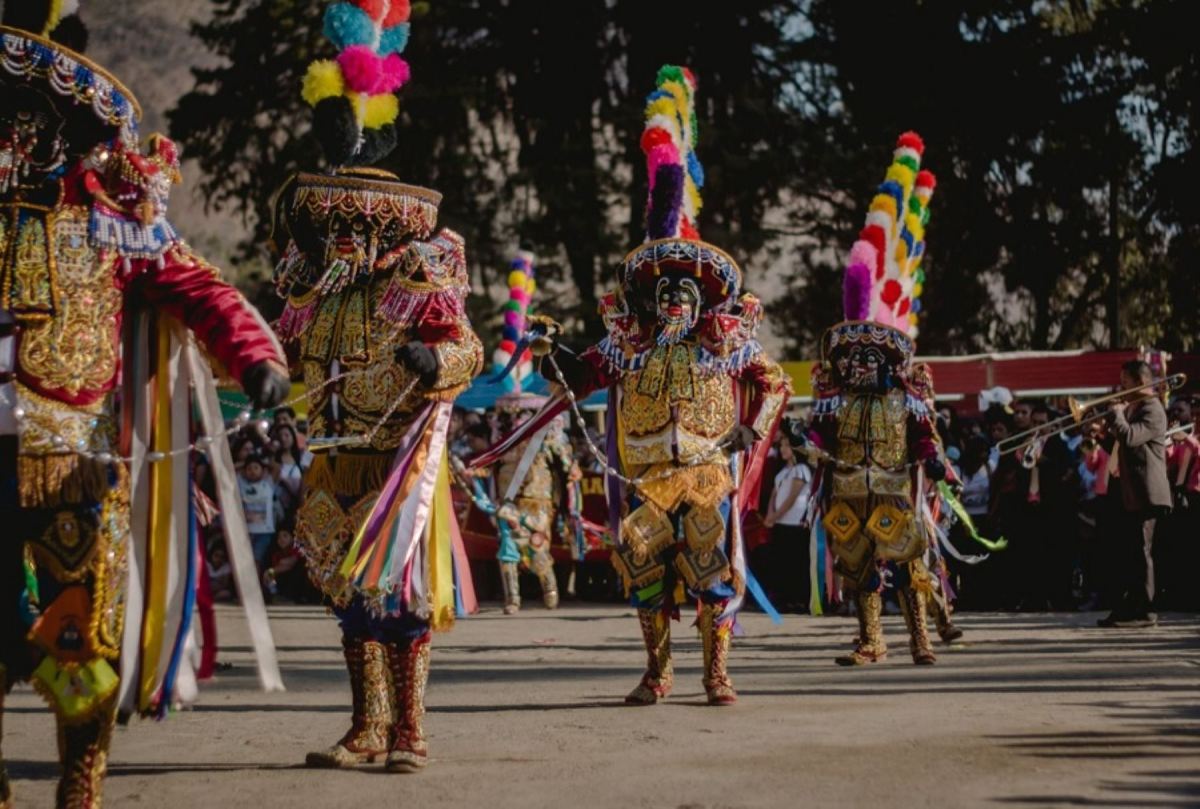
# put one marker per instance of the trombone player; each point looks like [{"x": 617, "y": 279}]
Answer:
[{"x": 1139, "y": 423}]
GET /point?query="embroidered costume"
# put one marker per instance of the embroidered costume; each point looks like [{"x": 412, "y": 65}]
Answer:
[
  {"x": 375, "y": 324},
  {"x": 97, "y": 289},
  {"x": 873, "y": 428},
  {"x": 690, "y": 391}
]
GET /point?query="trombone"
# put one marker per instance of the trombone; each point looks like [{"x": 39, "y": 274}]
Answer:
[{"x": 1027, "y": 440}]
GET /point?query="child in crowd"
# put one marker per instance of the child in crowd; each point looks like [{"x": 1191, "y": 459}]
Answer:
[
  {"x": 259, "y": 504},
  {"x": 287, "y": 577},
  {"x": 220, "y": 574}
]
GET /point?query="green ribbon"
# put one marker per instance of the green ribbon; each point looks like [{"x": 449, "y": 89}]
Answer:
[{"x": 961, "y": 512}]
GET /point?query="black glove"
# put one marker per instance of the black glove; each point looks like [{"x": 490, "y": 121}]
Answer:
[
  {"x": 417, "y": 357},
  {"x": 266, "y": 383},
  {"x": 739, "y": 438},
  {"x": 935, "y": 469}
]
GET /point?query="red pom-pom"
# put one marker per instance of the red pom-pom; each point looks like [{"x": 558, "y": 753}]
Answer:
[
  {"x": 507, "y": 346},
  {"x": 691, "y": 78},
  {"x": 398, "y": 13},
  {"x": 925, "y": 179},
  {"x": 911, "y": 140},
  {"x": 902, "y": 309},
  {"x": 655, "y": 136},
  {"x": 878, "y": 239},
  {"x": 891, "y": 292},
  {"x": 374, "y": 8},
  {"x": 688, "y": 231}
]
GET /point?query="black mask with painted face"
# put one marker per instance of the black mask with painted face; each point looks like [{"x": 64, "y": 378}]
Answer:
[
  {"x": 677, "y": 308},
  {"x": 865, "y": 368}
]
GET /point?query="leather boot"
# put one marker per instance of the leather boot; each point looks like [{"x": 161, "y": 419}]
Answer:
[
  {"x": 716, "y": 639},
  {"x": 660, "y": 674},
  {"x": 947, "y": 630},
  {"x": 409, "y": 664},
  {"x": 367, "y": 738},
  {"x": 870, "y": 647},
  {"x": 510, "y": 580},
  {"x": 545, "y": 573},
  {"x": 83, "y": 753},
  {"x": 912, "y": 604}
]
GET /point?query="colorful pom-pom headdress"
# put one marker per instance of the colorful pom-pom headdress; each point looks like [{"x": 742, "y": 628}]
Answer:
[
  {"x": 521, "y": 286},
  {"x": 882, "y": 286},
  {"x": 675, "y": 176},
  {"x": 353, "y": 96},
  {"x": 354, "y": 113}
]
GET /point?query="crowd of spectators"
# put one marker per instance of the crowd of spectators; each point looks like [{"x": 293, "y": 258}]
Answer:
[{"x": 270, "y": 465}]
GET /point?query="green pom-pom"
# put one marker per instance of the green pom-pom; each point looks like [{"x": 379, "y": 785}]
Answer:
[
  {"x": 911, "y": 162},
  {"x": 668, "y": 73}
]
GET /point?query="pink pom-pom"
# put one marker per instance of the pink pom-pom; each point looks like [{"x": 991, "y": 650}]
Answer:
[
  {"x": 362, "y": 69},
  {"x": 863, "y": 252},
  {"x": 514, "y": 319},
  {"x": 663, "y": 155},
  {"x": 394, "y": 75},
  {"x": 856, "y": 292},
  {"x": 891, "y": 292},
  {"x": 519, "y": 295}
]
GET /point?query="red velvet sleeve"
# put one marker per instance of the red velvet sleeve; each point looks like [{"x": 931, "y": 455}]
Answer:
[
  {"x": 190, "y": 289},
  {"x": 769, "y": 389}
]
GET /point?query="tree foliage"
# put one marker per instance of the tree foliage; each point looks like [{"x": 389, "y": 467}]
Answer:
[{"x": 1062, "y": 132}]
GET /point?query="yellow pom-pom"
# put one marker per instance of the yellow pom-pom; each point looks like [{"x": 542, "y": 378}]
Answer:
[
  {"x": 693, "y": 194},
  {"x": 678, "y": 91},
  {"x": 661, "y": 106},
  {"x": 885, "y": 203},
  {"x": 530, "y": 286},
  {"x": 903, "y": 175},
  {"x": 322, "y": 80},
  {"x": 912, "y": 318},
  {"x": 917, "y": 290},
  {"x": 380, "y": 110},
  {"x": 516, "y": 279}
]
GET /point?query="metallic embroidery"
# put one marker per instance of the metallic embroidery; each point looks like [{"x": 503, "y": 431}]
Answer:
[
  {"x": 76, "y": 349},
  {"x": 31, "y": 285}
]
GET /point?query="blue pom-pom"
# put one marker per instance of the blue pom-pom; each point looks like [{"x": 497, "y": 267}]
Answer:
[
  {"x": 509, "y": 333},
  {"x": 695, "y": 170},
  {"x": 394, "y": 39},
  {"x": 916, "y": 306},
  {"x": 907, "y": 237},
  {"x": 347, "y": 25},
  {"x": 893, "y": 189}
]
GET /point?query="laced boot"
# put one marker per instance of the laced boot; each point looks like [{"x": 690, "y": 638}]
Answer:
[
  {"x": 367, "y": 738},
  {"x": 545, "y": 571},
  {"x": 511, "y": 582},
  {"x": 716, "y": 638},
  {"x": 409, "y": 664},
  {"x": 869, "y": 646},
  {"x": 5, "y": 788},
  {"x": 83, "y": 753},
  {"x": 660, "y": 675},
  {"x": 912, "y": 604},
  {"x": 947, "y": 630}
]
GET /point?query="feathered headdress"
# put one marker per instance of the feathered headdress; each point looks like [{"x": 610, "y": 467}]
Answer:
[
  {"x": 675, "y": 177},
  {"x": 884, "y": 279},
  {"x": 672, "y": 168},
  {"x": 353, "y": 96}
]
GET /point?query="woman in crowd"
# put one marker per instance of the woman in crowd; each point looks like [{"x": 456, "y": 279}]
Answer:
[{"x": 787, "y": 571}]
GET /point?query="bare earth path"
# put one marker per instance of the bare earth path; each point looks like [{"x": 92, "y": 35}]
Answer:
[{"x": 1033, "y": 710}]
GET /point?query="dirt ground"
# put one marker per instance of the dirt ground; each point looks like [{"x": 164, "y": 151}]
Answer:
[{"x": 525, "y": 711}]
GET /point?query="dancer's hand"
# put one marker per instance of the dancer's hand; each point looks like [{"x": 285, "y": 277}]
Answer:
[
  {"x": 266, "y": 383},
  {"x": 418, "y": 358},
  {"x": 740, "y": 437}
]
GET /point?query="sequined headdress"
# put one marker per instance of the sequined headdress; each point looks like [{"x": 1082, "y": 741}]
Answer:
[
  {"x": 355, "y": 107},
  {"x": 881, "y": 292},
  {"x": 41, "y": 52},
  {"x": 675, "y": 176}
]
